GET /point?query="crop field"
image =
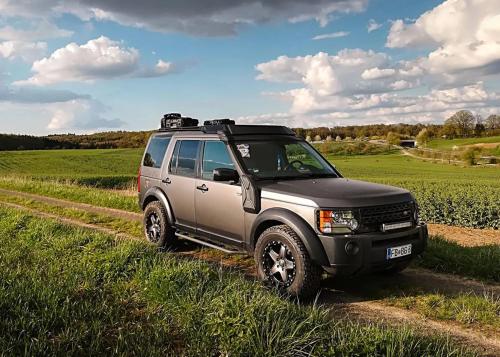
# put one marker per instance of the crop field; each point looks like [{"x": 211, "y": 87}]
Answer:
[{"x": 85, "y": 291}]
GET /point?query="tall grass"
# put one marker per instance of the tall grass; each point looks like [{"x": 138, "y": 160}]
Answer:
[
  {"x": 67, "y": 291},
  {"x": 480, "y": 262},
  {"x": 72, "y": 192}
]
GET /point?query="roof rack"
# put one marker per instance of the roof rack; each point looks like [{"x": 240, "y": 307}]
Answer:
[{"x": 176, "y": 122}]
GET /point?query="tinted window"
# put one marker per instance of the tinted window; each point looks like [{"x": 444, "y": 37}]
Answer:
[
  {"x": 184, "y": 158},
  {"x": 156, "y": 151},
  {"x": 215, "y": 156}
]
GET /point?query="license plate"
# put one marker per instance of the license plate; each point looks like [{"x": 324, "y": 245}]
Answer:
[{"x": 397, "y": 252}]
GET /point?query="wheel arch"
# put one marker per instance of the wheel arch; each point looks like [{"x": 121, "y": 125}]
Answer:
[
  {"x": 156, "y": 194},
  {"x": 277, "y": 216}
]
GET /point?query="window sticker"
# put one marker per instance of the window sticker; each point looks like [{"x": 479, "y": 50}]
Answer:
[{"x": 244, "y": 150}]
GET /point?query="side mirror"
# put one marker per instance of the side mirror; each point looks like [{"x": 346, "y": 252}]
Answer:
[{"x": 223, "y": 174}]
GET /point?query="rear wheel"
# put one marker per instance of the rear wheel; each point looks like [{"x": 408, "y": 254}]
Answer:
[
  {"x": 283, "y": 262},
  {"x": 156, "y": 227}
]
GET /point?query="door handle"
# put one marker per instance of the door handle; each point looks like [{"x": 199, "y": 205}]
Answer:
[
  {"x": 167, "y": 181},
  {"x": 202, "y": 188}
]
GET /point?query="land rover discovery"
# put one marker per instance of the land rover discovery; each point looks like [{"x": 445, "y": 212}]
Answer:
[{"x": 261, "y": 190}]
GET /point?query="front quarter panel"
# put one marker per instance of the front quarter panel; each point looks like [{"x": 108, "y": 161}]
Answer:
[{"x": 291, "y": 217}]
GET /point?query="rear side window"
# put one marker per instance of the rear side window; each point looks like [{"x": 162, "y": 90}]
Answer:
[
  {"x": 215, "y": 156},
  {"x": 183, "y": 161},
  {"x": 156, "y": 151}
]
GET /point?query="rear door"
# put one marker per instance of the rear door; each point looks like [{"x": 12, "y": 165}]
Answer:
[
  {"x": 153, "y": 160},
  {"x": 181, "y": 180},
  {"x": 219, "y": 209}
]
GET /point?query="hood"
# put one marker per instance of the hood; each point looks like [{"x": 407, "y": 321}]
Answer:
[{"x": 338, "y": 192}]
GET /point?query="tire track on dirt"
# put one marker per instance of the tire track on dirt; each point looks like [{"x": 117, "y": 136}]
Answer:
[
  {"x": 71, "y": 204},
  {"x": 345, "y": 301}
]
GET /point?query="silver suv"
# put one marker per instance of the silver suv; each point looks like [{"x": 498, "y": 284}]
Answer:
[{"x": 261, "y": 190}]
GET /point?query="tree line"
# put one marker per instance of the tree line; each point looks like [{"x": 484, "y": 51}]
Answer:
[
  {"x": 461, "y": 124},
  {"x": 105, "y": 140}
]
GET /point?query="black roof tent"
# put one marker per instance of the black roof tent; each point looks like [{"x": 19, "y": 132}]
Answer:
[{"x": 176, "y": 122}]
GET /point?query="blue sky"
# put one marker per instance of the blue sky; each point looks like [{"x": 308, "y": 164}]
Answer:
[{"x": 85, "y": 65}]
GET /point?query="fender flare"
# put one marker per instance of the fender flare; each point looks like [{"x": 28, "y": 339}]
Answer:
[
  {"x": 299, "y": 225},
  {"x": 159, "y": 195}
]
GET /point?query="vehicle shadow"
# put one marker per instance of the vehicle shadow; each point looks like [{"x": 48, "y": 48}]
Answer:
[{"x": 411, "y": 282}]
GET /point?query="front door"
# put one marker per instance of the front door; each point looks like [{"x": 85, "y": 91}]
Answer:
[
  {"x": 219, "y": 209},
  {"x": 181, "y": 180}
]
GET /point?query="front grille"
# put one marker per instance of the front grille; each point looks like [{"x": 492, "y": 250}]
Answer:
[{"x": 373, "y": 217}]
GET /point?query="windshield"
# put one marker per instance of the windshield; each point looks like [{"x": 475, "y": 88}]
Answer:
[{"x": 283, "y": 158}]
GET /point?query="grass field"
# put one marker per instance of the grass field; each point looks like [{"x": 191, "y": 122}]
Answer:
[
  {"x": 116, "y": 167},
  {"x": 71, "y": 291},
  {"x": 444, "y": 144}
]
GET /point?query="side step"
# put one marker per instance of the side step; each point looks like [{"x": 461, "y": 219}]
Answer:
[{"x": 211, "y": 245}]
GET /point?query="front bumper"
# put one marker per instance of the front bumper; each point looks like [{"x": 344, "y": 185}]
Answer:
[{"x": 371, "y": 250}]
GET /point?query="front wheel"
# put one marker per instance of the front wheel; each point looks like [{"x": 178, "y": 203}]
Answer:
[
  {"x": 156, "y": 227},
  {"x": 283, "y": 262}
]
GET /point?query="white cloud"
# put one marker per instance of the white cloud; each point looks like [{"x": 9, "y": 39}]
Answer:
[
  {"x": 377, "y": 73},
  {"x": 462, "y": 33},
  {"x": 356, "y": 86},
  {"x": 80, "y": 114},
  {"x": 100, "y": 58},
  {"x": 331, "y": 35},
  {"x": 25, "y": 44},
  {"x": 42, "y": 30},
  {"x": 201, "y": 18},
  {"x": 160, "y": 69},
  {"x": 28, "y": 51},
  {"x": 388, "y": 108},
  {"x": 401, "y": 84},
  {"x": 324, "y": 74},
  {"x": 373, "y": 25}
]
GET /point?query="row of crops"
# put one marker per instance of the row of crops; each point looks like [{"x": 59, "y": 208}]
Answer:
[{"x": 466, "y": 204}]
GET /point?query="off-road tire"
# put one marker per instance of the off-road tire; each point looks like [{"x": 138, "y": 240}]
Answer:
[
  {"x": 166, "y": 237},
  {"x": 307, "y": 275}
]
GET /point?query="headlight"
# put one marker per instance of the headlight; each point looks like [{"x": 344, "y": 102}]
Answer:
[{"x": 337, "y": 221}]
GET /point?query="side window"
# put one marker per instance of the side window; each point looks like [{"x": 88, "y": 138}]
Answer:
[
  {"x": 183, "y": 160},
  {"x": 215, "y": 156},
  {"x": 156, "y": 151}
]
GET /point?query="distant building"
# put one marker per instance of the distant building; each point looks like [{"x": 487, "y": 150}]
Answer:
[{"x": 408, "y": 143}]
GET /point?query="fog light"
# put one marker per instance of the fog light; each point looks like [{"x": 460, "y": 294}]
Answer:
[{"x": 351, "y": 248}]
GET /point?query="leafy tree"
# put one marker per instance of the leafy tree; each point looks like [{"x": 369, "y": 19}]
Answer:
[
  {"x": 423, "y": 137},
  {"x": 393, "y": 138},
  {"x": 492, "y": 122},
  {"x": 470, "y": 155},
  {"x": 462, "y": 122}
]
